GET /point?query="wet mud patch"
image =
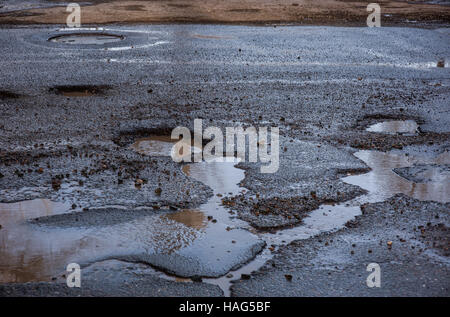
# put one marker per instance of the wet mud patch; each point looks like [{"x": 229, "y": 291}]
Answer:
[
  {"x": 79, "y": 90},
  {"x": 86, "y": 38}
]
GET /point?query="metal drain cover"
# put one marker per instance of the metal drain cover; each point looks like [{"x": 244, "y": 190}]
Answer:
[{"x": 86, "y": 38}]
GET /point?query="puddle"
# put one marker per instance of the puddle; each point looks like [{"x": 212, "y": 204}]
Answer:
[
  {"x": 393, "y": 127},
  {"x": 160, "y": 145},
  {"x": 78, "y": 91},
  {"x": 207, "y": 241},
  {"x": 190, "y": 218},
  {"x": 381, "y": 183},
  {"x": 24, "y": 255},
  {"x": 86, "y": 38}
]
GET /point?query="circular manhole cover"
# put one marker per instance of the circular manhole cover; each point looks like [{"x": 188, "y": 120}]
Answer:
[{"x": 86, "y": 38}]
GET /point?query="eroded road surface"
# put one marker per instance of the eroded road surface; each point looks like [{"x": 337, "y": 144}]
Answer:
[{"x": 87, "y": 175}]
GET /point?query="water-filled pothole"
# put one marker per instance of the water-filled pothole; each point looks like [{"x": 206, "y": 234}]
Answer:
[
  {"x": 208, "y": 241},
  {"x": 394, "y": 127},
  {"x": 86, "y": 38},
  {"x": 161, "y": 145}
]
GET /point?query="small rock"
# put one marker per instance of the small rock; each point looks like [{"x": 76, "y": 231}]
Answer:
[{"x": 288, "y": 277}]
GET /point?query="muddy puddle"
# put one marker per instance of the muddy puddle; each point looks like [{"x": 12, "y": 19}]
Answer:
[
  {"x": 395, "y": 127},
  {"x": 208, "y": 241},
  {"x": 86, "y": 38},
  {"x": 160, "y": 145}
]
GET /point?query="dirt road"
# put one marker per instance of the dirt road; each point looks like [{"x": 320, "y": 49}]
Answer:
[{"x": 304, "y": 12}]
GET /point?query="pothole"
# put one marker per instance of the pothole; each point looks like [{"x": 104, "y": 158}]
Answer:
[
  {"x": 395, "y": 127},
  {"x": 4, "y": 94},
  {"x": 86, "y": 38},
  {"x": 78, "y": 90},
  {"x": 210, "y": 241},
  {"x": 161, "y": 145}
]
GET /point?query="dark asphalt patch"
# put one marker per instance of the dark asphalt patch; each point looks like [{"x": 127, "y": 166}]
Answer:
[{"x": 79, "y": 90}]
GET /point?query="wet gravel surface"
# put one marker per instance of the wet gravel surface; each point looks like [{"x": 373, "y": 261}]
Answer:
[
  {"x": 322, "y": 86},
  {"x": 398, "y": 234},
  {"x": 113, "y": 278}
]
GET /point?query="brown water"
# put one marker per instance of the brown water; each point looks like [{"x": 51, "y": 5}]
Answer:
[{"x": 29, "y": 253}]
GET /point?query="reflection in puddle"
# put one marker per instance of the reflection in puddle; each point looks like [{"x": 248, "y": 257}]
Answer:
[
  {"x": 11, "y": 213},
  {"x": 392, "y": 127},
  {"x": 382, "y": 182},
  {"x": 205, "y": 234},
  {"x": 191, "y": 218},
  {"x": 160, "y": 145},
  {"x": 86, "y": 38},
  {"x": 27, "y": 255}
]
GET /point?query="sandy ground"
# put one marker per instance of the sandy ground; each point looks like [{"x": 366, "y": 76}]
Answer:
[{"x": 308, "y": 12}]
